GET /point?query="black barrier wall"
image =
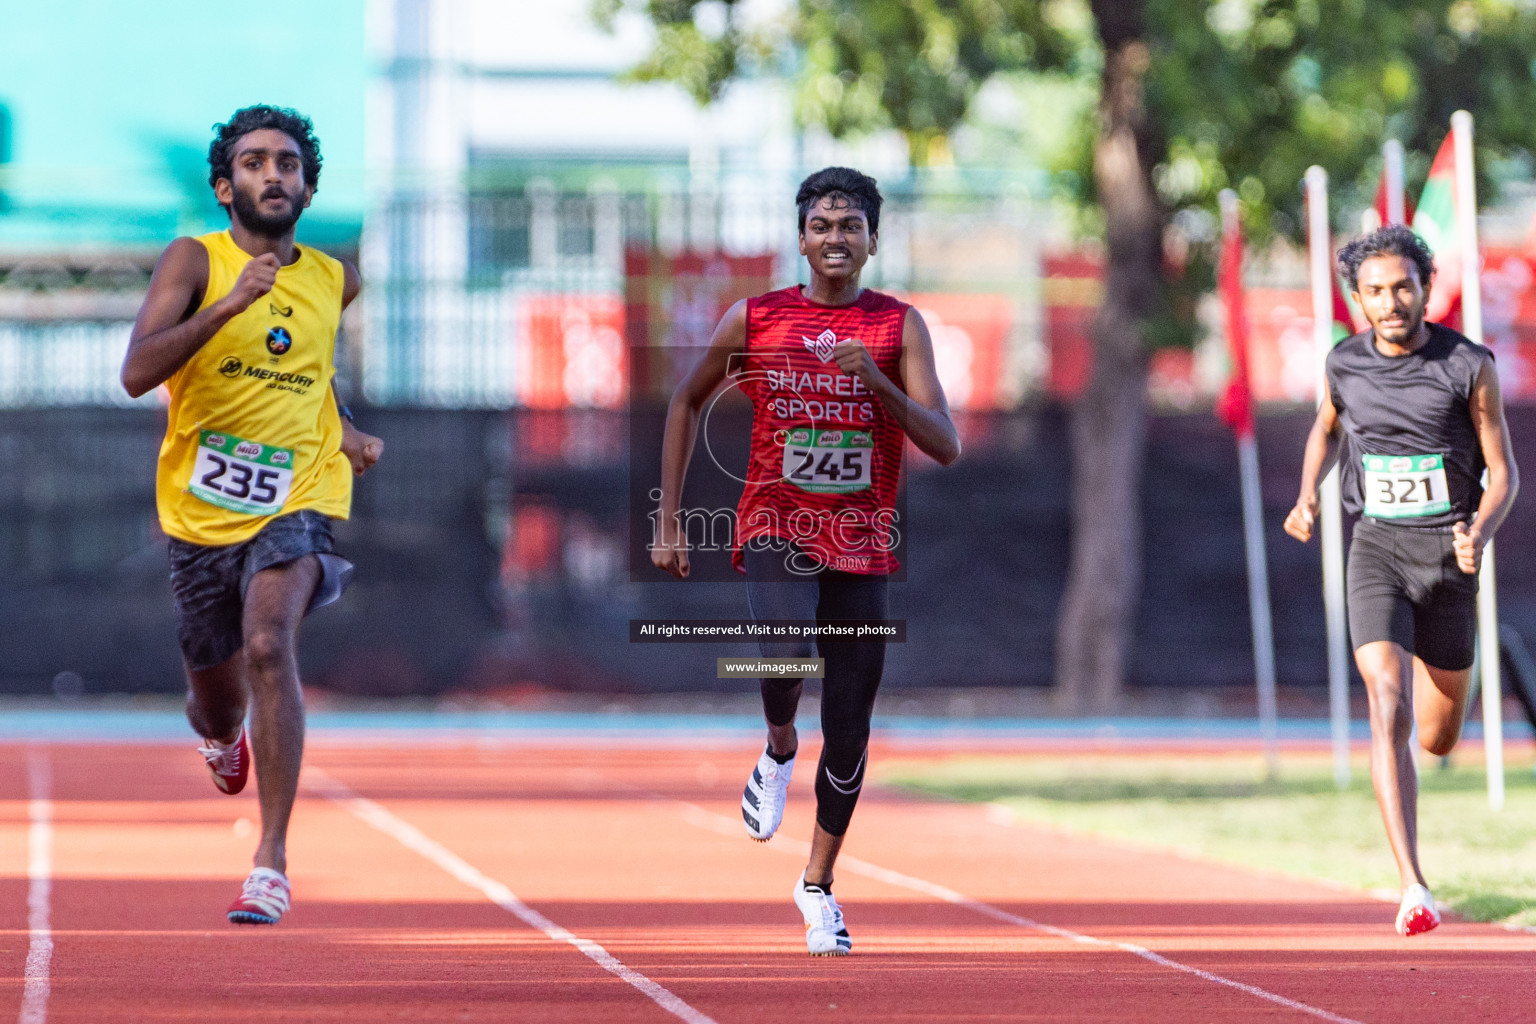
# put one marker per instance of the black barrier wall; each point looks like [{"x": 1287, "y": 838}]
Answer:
[
  {"x": 493, "y": 552},
  {"x": 83, "y": 584}
]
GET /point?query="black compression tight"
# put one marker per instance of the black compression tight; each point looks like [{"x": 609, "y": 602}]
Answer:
[{"x": 852, "y": 668}]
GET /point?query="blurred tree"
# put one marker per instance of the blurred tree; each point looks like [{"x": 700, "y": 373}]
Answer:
[{"x": 1194, "y": 96}]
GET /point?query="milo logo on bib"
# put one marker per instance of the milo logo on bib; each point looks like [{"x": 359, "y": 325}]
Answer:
[{"x": 1405, "y": 486}]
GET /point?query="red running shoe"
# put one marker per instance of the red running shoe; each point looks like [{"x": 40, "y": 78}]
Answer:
[
  {"x": 1417, "y": 914},
  {"x": 263, "y": 898},
  {"x": 230, "y": 763}
]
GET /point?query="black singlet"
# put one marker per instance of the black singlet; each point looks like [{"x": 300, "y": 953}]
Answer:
[{"x": 1413, "y": 405}]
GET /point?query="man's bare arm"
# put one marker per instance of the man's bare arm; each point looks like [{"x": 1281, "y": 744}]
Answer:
[
  {"x": 168, "y": 332},
  {"x": 1319, "y": 457},
  {"x": 1487, "y": 408},
  {"x": 925, "y": 414},
  {"x": 917, "y": 401},
  {"x": 670, "y": 552},
  {"x": 351, "y": 283}
]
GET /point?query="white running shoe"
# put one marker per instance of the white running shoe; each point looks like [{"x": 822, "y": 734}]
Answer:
[
  {"x": 263, "y": 898},
  {"x": 762, "y": 802},
  {"x": 1417, "y": 915},
  {"x": 825, "y": 933}
]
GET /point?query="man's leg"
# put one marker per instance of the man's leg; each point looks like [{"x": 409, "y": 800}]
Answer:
[
  {"x": 781, "y": 702},
  {"x": 1388, "y": 671},
  {"x": 275, "y": 602},
  {"x": 217, "y": 699},
  {"x": 774, "y": 592},
  {"x": 1440, "y": 705},
  {"x": 824, "y": 850},
  {"x": 847, "y": 701},
  {"x": 771, "y": 597},
  {"x": 853, "y": 672}
]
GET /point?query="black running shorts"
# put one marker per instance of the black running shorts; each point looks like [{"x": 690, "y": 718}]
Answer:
[
  {"x": 209, "y": 583},
  {"x": 1404, "y": 586}
]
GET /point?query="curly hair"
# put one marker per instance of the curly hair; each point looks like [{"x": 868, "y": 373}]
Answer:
[
  {"x": 1394, "y": 240},
  {"x": 844, "y": 182},
  {"x": 221, "y": 151}
]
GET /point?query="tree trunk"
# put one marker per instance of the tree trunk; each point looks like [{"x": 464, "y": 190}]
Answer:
[{"x": 1108, "y": 432}]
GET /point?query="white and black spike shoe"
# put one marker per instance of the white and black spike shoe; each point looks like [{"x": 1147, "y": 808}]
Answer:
[
  {"x": 825, "y": 932},
  {"x": 762, "y": 802}
]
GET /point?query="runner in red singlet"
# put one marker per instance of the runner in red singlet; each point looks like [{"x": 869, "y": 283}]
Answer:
[
  {"x": 826, "y": 454},
  {"x": 838, "y": 375}
]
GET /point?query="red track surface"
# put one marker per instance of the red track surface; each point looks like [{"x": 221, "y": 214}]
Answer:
[{"x": 643, "y": 853}]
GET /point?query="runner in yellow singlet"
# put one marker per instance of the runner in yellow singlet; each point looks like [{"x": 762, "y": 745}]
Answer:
[{"x": 258, "y": 458}]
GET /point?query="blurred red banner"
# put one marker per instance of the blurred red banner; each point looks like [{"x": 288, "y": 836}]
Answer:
[
  {"x": 1282, "y": 362},
  {"x": 970, "y": 335},
  {"x": 572, "y": 351},
  {"x": 672, "y": 304}
]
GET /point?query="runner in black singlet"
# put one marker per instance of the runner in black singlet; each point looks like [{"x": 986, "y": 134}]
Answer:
[{"x": 1419, "y": 414}]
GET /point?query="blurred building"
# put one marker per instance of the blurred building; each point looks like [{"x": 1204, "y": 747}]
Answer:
[
  {"x": 106, "y": 114},
  {"x": 511, "y": 172}
]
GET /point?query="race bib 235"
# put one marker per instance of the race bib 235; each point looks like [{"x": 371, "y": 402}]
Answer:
[{"x": 241, "y": 475}]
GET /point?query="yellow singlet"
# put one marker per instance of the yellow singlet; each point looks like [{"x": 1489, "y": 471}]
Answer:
[{"x": 253, "y": 431}]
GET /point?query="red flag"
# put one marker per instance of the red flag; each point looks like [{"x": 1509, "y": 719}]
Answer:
[
  {"x": 1435, "y": 222},
  {"x": 1346, "y": 318},
  {"x": 1235, "y": 407}
]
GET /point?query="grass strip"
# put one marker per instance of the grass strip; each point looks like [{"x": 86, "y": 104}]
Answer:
[{"x": 1479, "y": 862}]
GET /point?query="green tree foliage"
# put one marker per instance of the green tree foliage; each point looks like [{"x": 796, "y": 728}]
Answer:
[
  {"x": 1242, "y": 94},
  {"x": 1251, "y": 94}
]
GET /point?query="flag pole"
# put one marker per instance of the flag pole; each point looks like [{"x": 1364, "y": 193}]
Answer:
[
  {"x": 1392, "y": 175},
  {"x": 1253, "y": 542},
  {"x": 1472, "y": 327},
  {"x": 1319, "y": 241}
]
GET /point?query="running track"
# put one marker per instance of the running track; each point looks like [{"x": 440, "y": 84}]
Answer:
[{"x": 510, "y": 881}]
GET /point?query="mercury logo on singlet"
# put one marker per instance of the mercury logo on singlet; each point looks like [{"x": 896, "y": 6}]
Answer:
[{"x": 296, "y": 382}]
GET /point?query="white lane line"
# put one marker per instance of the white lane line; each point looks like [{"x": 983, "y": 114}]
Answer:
[
  {"x": 413, "y": 838},
  {"x": 34, "y": 999},
  {"x": 696, "y": 815}
]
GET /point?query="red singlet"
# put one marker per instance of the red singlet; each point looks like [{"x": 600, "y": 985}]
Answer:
[{"x": 826, "y": 456}]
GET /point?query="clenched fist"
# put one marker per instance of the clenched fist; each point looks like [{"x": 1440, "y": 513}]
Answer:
[
  {"x": 361, "y": 449},
  {"x": 1468, "y": 544},
  {"x": 1299, "y": 522},
  {"x": 256, "y": 279},
  {"x": 670, "y": 552},
  {"x": 853, "y": 358}
]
